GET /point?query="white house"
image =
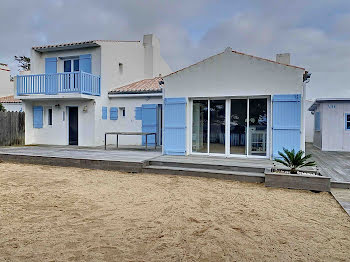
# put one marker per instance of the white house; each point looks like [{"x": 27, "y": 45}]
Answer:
[
  {"x": 66, "y": 96},
  {"x": 6, "y": 86},
  {"x": 11, "y": 104},
  {"x": 332, "y": 124},
  {"x": 234, "y": 104}
]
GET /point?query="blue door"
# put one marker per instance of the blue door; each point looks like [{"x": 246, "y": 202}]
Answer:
[
  {"x": 174, "y": 140},
  {"x": 51, "y": 78},
  {"x": 150, "y": 123},
  {"x": 286, "y": 123}
]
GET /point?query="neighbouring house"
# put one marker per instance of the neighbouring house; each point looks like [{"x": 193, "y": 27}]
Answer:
[
  {"x": 6, "y": 85},
  {"x": 234, "y": 104},
  {"x": 78, "y": 91},
  {"x": 331, "y": 124},
  {"x": 11, "y": 104}
]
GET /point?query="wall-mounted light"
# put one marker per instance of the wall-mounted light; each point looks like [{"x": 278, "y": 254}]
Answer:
[
  {"x": 58, "y": 106},
  {"x": 85, "y": 109}
]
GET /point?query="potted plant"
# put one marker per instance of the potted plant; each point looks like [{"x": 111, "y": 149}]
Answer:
[{"x": 295, "y": 175}]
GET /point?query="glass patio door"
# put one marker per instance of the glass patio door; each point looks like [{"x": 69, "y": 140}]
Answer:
[
  {"x": 257, "y": 141},
  {"x": 238, "y": 127},
  {"x": 200, "y": 126},
  {"x": 217, "y": 121}
]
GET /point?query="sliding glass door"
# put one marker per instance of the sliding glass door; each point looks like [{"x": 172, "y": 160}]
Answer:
[
  {"x": 246, "y": 120},
  {"x": 217, "y": 126}
]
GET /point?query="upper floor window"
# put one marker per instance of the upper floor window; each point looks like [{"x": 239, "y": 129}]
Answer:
[
  {"x": 71, "y": 65},
  {"x": 347, "y": 121}
]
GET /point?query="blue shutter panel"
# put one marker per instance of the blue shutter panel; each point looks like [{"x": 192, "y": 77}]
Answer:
[
  {"x": 174, "y": 126},
  {"x": 149, "y": 122},
  {"x": 104, "y": 112},
  {"x": 37, "y": 116},
  {"x": 85, "y": 63},
  {"x": 113, "y": 115},
  {"x": 51, "y": 65},
  {"x": 286, "y": 122},
  {"x": 138, "y": 113}
]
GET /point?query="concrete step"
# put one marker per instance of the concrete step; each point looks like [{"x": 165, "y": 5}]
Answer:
[
  {"x": 208, "y": 166},
  {"x": 253, "y": 177}
]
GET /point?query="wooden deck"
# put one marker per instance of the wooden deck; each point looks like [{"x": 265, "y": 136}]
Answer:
[{"x": 335, "y": 165}]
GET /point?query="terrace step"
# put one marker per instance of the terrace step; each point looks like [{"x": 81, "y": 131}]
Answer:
[
  {"x": 208, "y": 166},
  {"x": 243, "y": 176}
]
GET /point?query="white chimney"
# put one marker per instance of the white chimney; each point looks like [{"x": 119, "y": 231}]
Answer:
[
  {"x": 283, "y": 58},
  {"x": 151, "y": 46}
]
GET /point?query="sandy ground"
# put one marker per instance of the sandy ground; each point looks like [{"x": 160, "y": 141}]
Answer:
[{"x": 71, "y": 214}]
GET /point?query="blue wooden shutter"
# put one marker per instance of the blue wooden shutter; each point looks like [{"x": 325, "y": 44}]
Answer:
[
  {"x": 51, "y": 65},
  {"x": 317, "y": 121},
  {"x": 138, "y": 113},
  {"x": 149, "y": 122},
  {"x": 85, "y": 63},
  {"x": 286, "y": 122},
  {"x": 51, "y": 80},
  {"x": 104, "y": 112},
  {"x": 174, "y": 140},
  {"x": 113, "y": 114},
  {"x": 37, "y": 116}
]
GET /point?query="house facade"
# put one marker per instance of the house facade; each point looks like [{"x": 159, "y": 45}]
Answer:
[
  {"x": 234, "y": 104},
  {"x": 66, "y": 95},
  {"x": 331, "y": 124}
]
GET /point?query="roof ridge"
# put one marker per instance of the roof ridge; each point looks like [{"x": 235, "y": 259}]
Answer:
[{"x": 236, "y": 52}]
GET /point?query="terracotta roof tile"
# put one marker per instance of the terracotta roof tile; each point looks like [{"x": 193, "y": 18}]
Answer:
[
  {"x": 9, "y": 99},
  {"x": 142, "y": 86},
  {"x": 90, "y": 42}
]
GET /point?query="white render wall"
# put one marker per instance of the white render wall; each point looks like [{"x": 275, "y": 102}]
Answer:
[
  {"x": 6, "y": 86},
  {"x": 233, "y": 75},
  {"x": 13, "y": 107},
  {"x": 57, "y": 134},
  {"x": 309, "y": 122},
  {"x": 127, "y": 123},
  {"x": 334, "y": 135}
]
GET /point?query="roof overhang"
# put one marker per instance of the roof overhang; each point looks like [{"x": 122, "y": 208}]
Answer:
[
  {"x": 52, "y": 48},
  {"x": 327, "y": 100}
]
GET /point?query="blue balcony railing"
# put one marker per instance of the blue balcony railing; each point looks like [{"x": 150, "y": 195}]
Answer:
[{"x": 60, "y": 83}]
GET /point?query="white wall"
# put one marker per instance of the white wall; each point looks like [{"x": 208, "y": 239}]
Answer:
[
  {"x": 309, "y": 122},
  {"x": 334, "y": 135},
  {"x": 13, "y": 107},
  {"x": 57, "y": 134},
  {"x": 233, "y": 75},
  {"x": 6, "y": 86},
  {"x": 127, "y": 123}
]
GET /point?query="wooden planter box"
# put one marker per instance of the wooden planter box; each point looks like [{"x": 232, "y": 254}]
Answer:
[{"x": 306, "y": 182}]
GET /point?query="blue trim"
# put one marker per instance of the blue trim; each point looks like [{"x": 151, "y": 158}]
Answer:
[
  {"x": 38, "y": 116},
  {"x": 287, "y": 98},
  {"x": 317, "y": 121},
  {"x": 346, "y": 122},
  {"x": 113, "y": 113},
  {"x": 138, "y": 113},
  {"x": 104, "y": 113},
  {"x": 286, "y": 126},
  {"x": 149, "y": 122},
  {"x": 174, "y": 140},
  {"x": 85, "y": 63}
]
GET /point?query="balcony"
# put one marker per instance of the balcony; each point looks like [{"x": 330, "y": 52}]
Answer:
[{"x": 59, "y": 84}]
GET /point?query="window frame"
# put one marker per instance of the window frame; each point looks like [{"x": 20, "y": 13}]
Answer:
[
  {"x": 347, "y": 121},
  {"x": 49, "y": 117}
]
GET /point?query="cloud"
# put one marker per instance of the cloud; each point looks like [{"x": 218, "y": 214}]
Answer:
[{"x": 316, "y": 32}]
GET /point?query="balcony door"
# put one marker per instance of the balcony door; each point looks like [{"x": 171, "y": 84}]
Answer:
[{"x": 70, "y": 79}]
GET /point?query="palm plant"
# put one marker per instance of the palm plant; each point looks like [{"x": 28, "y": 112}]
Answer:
[{"x": 294, "y": 160}]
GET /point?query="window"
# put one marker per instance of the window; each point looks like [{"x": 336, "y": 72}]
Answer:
[
  {"x": 317, "y": 121},
  {"x": 347, "y": 121},
  {"x": 49, "y": 116},
  {"x": 120, "y": 68},
  {"x": 122, "y": 110}
]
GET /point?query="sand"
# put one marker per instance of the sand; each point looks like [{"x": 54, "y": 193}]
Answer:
[{"x": 71, "y": 214}]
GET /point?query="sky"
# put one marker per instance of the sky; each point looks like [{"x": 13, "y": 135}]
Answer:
[{"x": 315, "y": 32}]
